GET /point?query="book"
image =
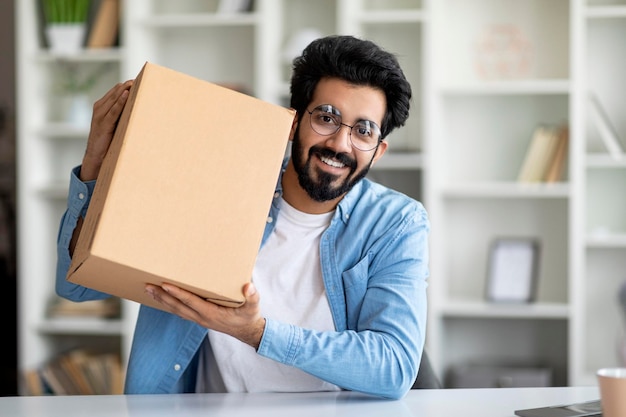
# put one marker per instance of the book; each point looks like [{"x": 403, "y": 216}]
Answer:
[
  {"x": 105, "y": 25},
  {"x": 105, "y": 308},
  {"x": 33, "y": 383},
  {"x": 556, "y": 167},
  {"x": 115, "y": 374},
  {"x": 54, "y": 377},
  {"x": 78, "y": 372},
  {"x": 602, "y": 124},
  {"x": 539, "y": 154},
  {"x": 72, "y": 364}
]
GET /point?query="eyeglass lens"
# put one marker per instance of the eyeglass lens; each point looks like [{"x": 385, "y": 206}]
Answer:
[{"x": 326, "y": 120}]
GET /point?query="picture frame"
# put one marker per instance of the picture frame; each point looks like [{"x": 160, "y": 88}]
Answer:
[{"x": 513, "y": 270}]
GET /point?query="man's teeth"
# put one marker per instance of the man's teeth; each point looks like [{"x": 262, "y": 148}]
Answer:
[{"x": 332, "y": 163}]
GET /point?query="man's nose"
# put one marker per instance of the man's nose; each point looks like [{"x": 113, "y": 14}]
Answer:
[{"x": 342, "y": 138}]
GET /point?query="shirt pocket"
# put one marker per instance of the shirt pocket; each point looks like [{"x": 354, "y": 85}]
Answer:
[{"x": 355, "y": 286}]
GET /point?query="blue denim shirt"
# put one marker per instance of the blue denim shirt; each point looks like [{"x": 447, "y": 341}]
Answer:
[{"x": 374, "y": 258}]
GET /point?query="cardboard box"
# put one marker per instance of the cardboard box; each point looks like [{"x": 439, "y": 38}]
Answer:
[{"x": 184, "y": 192}]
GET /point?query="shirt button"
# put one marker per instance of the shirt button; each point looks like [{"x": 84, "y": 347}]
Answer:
[
  {"x": 177, "y": 367},
  {"x": 276, "y": 194},
  {"x": 81, "y": 196},
  {"x": 347, "y": 216},
  {"x": 270, "y": 220}
]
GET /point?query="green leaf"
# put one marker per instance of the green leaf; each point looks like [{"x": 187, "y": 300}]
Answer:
[{"x": 65, "y": 11}]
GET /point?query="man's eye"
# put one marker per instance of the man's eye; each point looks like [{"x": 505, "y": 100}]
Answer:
[
  {"x": 324, "y": 118},
  {"x": 363, "y": 130}
]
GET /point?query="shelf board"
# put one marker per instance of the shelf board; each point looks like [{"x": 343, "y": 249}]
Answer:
[
  {"x": 396, "y": 160},
  {"x": 503, "y": 189},
  {"x": 379, "y": 17},
  {"x": 61, "y": 130},
  {"x": 184, "y": 20},
  {"x": 608, "y": 240},
  {"x": 81, "y": 326},
  {"x": 508, "y": 87},
  {"x": 483, "y": 309},
  {"x": 606, "y": 11},
  {"x": 604, "y": 160},
  {"x": 86, "y": 55}
]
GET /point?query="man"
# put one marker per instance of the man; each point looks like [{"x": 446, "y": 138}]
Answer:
[{"x": 338, "y": 292}]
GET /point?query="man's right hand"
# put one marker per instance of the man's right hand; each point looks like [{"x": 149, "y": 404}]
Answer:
[{"x": 106, "y": 114}]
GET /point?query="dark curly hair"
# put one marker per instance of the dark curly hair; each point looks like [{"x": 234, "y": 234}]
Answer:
[{"x": 359, "y": 62}]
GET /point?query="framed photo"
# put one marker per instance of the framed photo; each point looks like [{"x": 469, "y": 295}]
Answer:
[{"x": 513, "y": 269}]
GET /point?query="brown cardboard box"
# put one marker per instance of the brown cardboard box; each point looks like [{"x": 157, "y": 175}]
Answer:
[{"x": 184, "y": 192}]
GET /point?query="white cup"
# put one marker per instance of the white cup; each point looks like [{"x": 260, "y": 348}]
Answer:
[{"x": 612, "y": 384}]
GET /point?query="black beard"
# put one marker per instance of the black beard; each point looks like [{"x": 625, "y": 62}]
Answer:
[{"x": 322, "y": 189}]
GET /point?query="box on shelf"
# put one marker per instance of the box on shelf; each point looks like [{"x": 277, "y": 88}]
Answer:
[
  {"x": 184, "y": 191},
  {"x": 498, "y": 376}
]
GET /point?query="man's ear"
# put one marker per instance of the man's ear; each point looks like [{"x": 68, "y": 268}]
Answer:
[
  {"x": 380, "y": 151},
  {"x": 294, "y": 126}
]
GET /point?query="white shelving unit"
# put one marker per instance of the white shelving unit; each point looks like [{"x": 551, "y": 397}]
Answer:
[
  {"x": 602, "y": 229},
  {"x": 48, "y": 146},
  {"x": 475, "y": 107},
  {"x": 486, "y": 104}
]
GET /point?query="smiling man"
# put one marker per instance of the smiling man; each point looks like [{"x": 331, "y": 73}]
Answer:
[{"x": 338, "y": 293}]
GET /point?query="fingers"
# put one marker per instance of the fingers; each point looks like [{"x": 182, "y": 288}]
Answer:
[
  {"x": 251, "y": 294},
  {"x": 177, "y": 301},
  {"x": 244, "y": 323},
  {"x": 106, "y": 113},
  {"x": 110, "y": 106}
]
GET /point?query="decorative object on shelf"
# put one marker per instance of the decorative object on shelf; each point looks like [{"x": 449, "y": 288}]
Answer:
[
  {"x": 513, "y": 270},
  {"x": 601, "y": 122},
  {"x": 75, "y": 86},
  {"x": 65, "y": 24},
  {"x": 104, "y": 26},
  {"x": 545, "y": 156},
  {"x": 503, "y": 52},
  {"x": 233, "y": 6}
]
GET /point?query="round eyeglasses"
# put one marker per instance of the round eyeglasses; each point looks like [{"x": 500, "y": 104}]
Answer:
[{"x": 326, "y": 121}]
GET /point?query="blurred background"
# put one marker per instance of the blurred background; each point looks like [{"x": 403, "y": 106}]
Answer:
[
  {"x": 515, "y": 145},
  {"x": 8, "y": 308}
]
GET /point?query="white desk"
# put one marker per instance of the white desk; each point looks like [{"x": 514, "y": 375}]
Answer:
[{"x": 497, "y": 402}]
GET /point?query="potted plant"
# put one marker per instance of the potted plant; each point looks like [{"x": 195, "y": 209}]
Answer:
[
  {"x": 74, "y": 88},
  {"x": 66, "y": 22}
]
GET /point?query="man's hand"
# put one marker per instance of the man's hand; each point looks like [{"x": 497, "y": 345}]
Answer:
[
  {"x": 244, "y": 323},
  {"x": 106, "y": 113}
]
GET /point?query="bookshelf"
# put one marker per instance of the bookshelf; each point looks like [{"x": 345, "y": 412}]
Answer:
[
  {"x": 486, "y": 105},
  {"x": 602, "y": 227},
  {"x": 475, "y": 108}
]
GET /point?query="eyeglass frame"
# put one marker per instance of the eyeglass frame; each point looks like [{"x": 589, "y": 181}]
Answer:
[{"x": 340, "y": 124}]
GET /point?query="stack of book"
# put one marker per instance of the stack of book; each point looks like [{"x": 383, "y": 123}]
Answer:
[
  {"x": 546, "y": 155},
  {"x": 77, "y": 372},
  {"x": 106, "y": 309}
]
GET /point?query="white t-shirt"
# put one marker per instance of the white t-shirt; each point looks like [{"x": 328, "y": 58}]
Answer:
[{"x": 288, "y": 276}]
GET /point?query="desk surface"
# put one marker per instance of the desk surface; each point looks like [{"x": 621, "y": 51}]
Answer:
[{"x": 497, "y": 402}]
